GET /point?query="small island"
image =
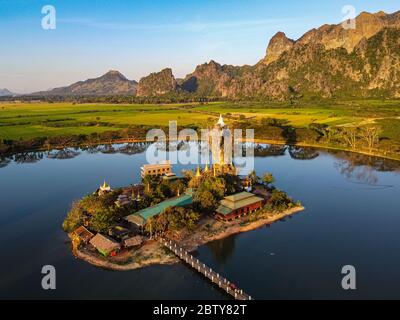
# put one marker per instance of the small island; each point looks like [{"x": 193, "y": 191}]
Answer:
[{"x": 122, "y": 228}]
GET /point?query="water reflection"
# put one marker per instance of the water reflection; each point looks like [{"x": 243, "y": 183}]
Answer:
[
  {"x": 376, "y": 163},
  {"x": 133, "y": 148},
  {"x": 91, "y": 149},
  {"x": 222, "y": 250},
  {"x": 269, "y": 150},
  {"x": 28, "y": 157},
  {"x": 363, "y": 169},
  {"x": 4, "y": 161},
  {"x": 362, "y": 174},
  {"x": 108, "y": 149},
  {"x": 63, "y": 154},
  {"x": 347, "y": 162},
  {"x": 300, "y": 153},
  {"x": 175, "y": 145}
]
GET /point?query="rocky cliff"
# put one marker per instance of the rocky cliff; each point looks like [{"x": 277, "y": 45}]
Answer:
[
  {"x": 324, "y": 62},
  {"x": 327, "y": 61},
  {"x": 158, "y": 83}
]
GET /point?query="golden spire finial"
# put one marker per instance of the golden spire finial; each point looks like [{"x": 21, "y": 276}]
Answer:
[
  {"x": 221, "y": 158},
  {"x": 198, "y": 173}
]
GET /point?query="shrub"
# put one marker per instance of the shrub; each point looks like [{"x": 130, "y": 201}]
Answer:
[{"x": 279, "y": 200}]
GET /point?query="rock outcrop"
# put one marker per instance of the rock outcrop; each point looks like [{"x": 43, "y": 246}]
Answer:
[
  {"x": 278, "y": 45},
  {"x": 158, "y": 83},
  {"x": 325, "y": 62}
]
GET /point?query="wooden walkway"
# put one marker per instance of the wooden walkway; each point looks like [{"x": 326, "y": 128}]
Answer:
[{"x": 214, "y": 277}]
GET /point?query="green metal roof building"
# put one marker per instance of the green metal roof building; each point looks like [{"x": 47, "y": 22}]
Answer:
[{"x": 141, "y": 217}]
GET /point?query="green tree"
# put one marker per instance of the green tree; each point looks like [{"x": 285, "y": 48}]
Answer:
[
  {"x": 102, "y": 221},
  {"x": 177, "y": 187},
  {"x": 164, "y": 189},
  {"x": 205, "y": 200},
  {"x": 268, "y": 179},
  {"x": 254, "y": 178},
  {"x": 279, "y": 200},
  {"x": 74, "y": 217},
  {"x": 233, "y": 183}
]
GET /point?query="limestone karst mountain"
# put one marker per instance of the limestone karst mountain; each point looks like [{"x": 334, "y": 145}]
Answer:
[
  {"x": 324, "y": 62},
  {"x": 158, "y": 83},
  {"x": 111, "y": 83}
]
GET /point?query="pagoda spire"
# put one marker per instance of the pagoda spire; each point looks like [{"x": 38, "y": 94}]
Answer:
[
  {"x": 198, "y": 173},
  {"x": 221, "y": 122}
]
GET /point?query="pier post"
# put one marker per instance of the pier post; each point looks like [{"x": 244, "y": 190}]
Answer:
[{"x": 202, "y": 268}]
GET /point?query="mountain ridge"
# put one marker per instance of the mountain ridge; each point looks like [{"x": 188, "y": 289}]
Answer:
[
  {"x": 111, "y": 83},
  {"x": 324, "y": 62},
  {"x": 4, "y": 92}
]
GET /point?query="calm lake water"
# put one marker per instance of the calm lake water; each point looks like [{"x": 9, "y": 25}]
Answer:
[{"x": 352, "y": 217}]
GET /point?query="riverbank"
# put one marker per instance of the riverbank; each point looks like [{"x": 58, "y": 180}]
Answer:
[
  {"x": 207, "y": 230},
  {"x": 326, "y": 147},
  {"x": 384, "y": 155}
]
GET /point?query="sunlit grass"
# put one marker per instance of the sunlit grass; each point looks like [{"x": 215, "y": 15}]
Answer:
[{"x": 28, "y": 120}]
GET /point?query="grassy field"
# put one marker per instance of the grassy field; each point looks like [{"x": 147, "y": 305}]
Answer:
[{"x": 30, "y": 120}]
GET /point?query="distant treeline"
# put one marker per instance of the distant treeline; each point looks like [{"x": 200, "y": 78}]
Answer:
[
  {"x": 47, "y": 143},
  {"x": 178, "y": 97},
  {"x": 366, "y": 139}
]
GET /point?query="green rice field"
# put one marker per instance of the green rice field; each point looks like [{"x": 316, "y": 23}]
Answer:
[{"x": 21, "y": 121}]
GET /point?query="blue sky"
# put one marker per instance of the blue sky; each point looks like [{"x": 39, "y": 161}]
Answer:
[{"x": 137, "y": 37}]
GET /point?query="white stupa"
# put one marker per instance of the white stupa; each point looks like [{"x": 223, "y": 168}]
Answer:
[{"x": 221, "y": 122}]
